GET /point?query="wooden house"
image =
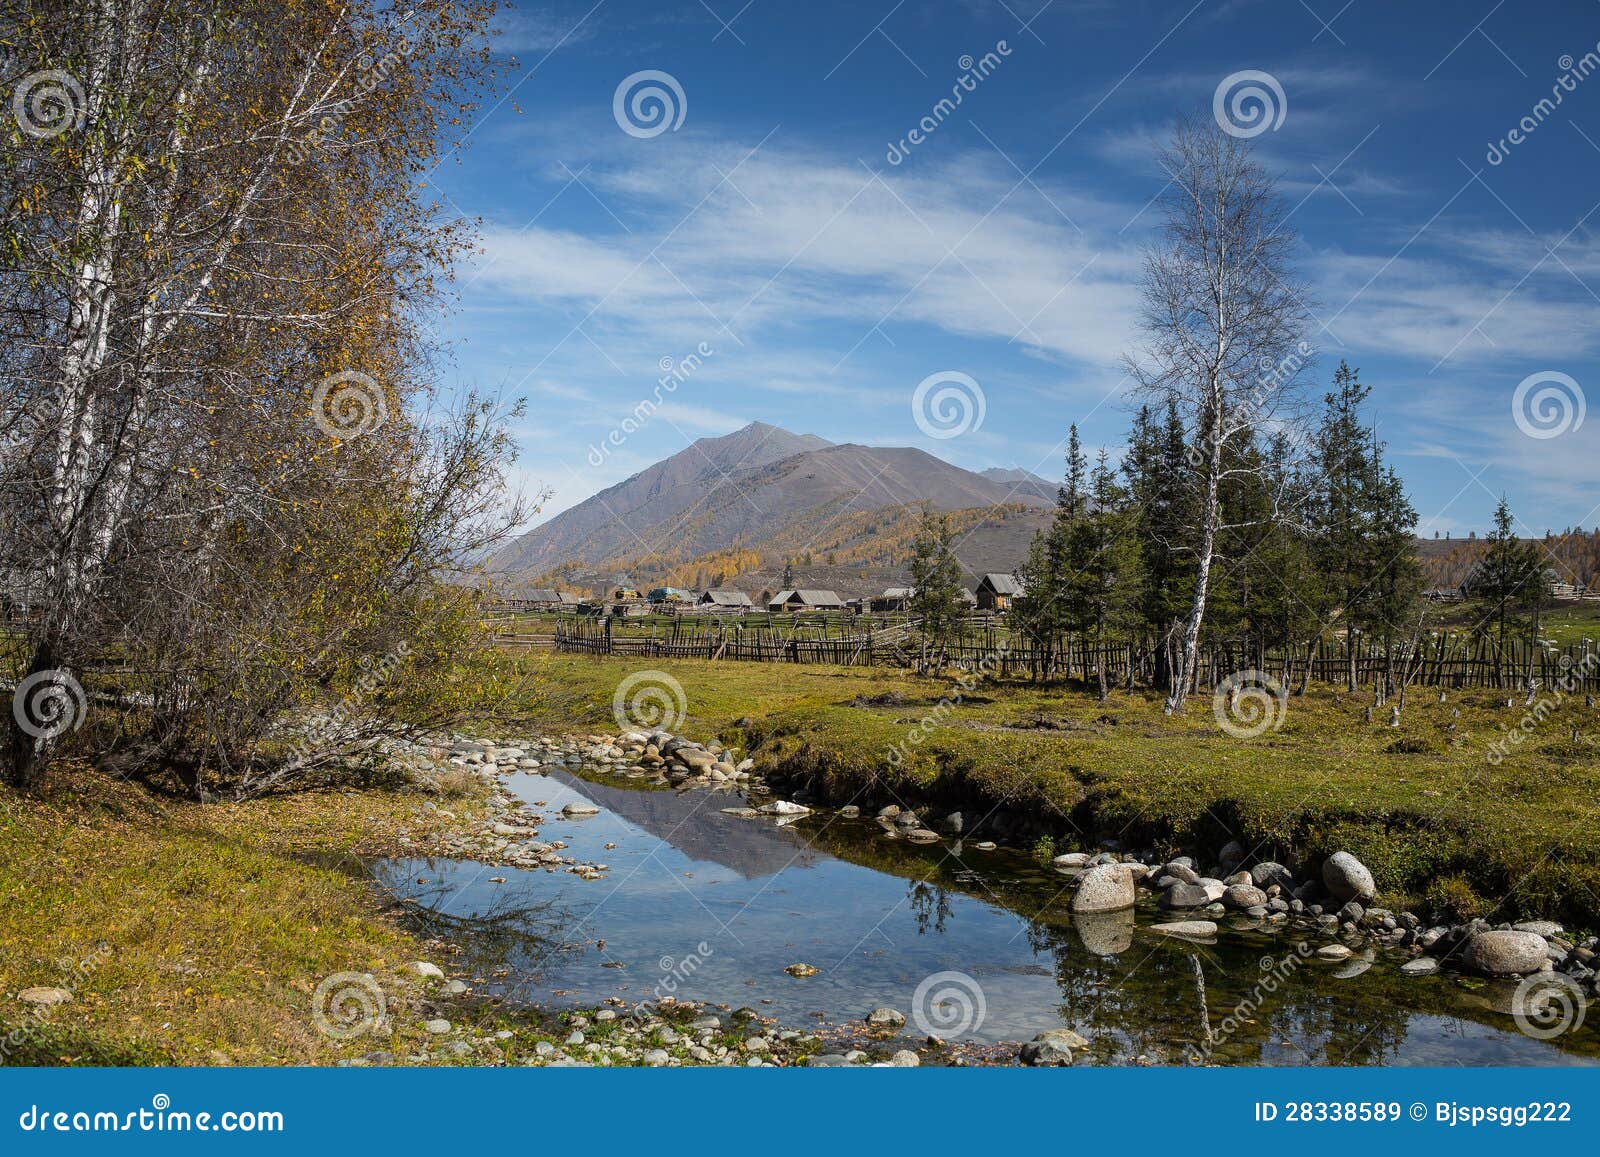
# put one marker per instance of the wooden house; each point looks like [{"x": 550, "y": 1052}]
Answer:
[
  {"x": 801, "y": 600},
  {"x": 726, "y": 600},
  {"x": 997, "y": 592}
]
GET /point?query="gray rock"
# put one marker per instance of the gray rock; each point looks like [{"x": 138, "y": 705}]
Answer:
[
  {"x": 1506, "y": 953},
  {"x": 1187, "y": 929},
  {"x": 656, "y": 1058},
  {"x": 1347, "y": 878},
  {"x": 1071, "y": 860},
  {"x": 1050, "y": 1048},
  {"x": 1233, "y": 852},
  {"x": 580, "y": 808},
  {"x": 1545, "y": 928},
  {"x": 437, "y": 1026},
  {"x": 1244, "y": 896},
  {"x": 1106, "y": 888},
  {"x": 905, "y": 1059},
  {"x": 826, "y": 1061},
  {"x": 1421, "y": 966},
  {"x": 1269, "y": 873},
  {"x": 1182, "y": 872},
  {"x": 1185, "y": 896},
  {"x": 886, "y": 1018},
  {"x": 1333, "y": 952},
  {"x": 422, "y": 970}
]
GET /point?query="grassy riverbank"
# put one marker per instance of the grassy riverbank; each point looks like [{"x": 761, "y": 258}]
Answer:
[
  {"x": 190, "y": 934},
  {"x": 1422, "y": 804}
]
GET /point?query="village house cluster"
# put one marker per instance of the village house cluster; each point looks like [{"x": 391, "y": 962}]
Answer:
[{"x": 993, "y": 593}]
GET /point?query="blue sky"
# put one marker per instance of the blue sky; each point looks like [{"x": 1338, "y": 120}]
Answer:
[{"x": 772, "y": 227}]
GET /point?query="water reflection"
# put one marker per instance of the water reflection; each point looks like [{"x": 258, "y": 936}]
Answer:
[{"x": 875, "y": 916}]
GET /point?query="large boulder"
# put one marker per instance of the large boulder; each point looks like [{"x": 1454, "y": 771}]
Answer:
[
  {"x": 1347, "y": 878},
  {"x": 1505, "y": 953},
  {"x": 1104, "y": 888},
  {"x": 1244, "y": 896}
]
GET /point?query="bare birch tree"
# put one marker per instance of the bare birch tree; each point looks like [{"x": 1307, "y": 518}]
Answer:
[{"x": 1223, "y": 320}]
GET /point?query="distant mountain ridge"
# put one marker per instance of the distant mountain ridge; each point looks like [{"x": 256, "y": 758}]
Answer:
[{"x": 763, "y": 494}]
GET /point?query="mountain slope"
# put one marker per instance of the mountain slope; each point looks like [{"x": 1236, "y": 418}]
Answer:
[{"x": 760, "y": 487}]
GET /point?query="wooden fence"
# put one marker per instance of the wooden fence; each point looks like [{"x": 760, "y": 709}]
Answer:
[{"x": 1444, "y": 660}]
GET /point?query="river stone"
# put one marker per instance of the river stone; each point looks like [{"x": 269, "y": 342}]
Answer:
[
  {"x": 826, "y": 1061},
  {"x": 1185, "y": 896},
  {"x": 1071, "y": 860},
  {"x": 1233, "y": 852},
  {"x": 1269, "y": 873},
  {"x": 1545, "y": 928},
  {"x": 886, "y": 1018},
  {"x": 1052, "y": 1048},
  {"x": 1244, "y": 896},
  {"x": 1333, "y": 952},
  {"x": 905, "y": 1059},
  {"x": 580, "y": 808},
  {"x": 1505, "y": 953},
  {"x": 1421, "y": 966},
  {"x": 1105, "y": 888},
  {"x": 1182, "y": 872},
  {"x": 422, "y": 970},
  {"x": 1188, "y": 929},
  {"x": 1347, "y": 878}
]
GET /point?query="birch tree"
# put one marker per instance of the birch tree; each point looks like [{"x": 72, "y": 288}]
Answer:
[
  {"x": 211, "y": 214},
  {"x": 1223, "y": 316}
]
